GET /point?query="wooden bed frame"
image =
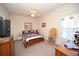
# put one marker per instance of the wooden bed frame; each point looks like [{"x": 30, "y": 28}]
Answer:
[{"x": 32, "y": 42}]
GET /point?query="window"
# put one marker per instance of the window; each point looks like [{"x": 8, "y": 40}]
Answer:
[{"x": 70, "y": 25}]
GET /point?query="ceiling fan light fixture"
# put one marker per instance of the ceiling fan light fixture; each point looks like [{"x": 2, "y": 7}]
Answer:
[{"x": 32, "y": 15}]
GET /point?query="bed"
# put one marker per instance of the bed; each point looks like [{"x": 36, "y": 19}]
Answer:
[{"x": 31, "y": 38}]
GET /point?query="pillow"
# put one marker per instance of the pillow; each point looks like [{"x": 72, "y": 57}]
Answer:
[{"x": 31, "y": 31}]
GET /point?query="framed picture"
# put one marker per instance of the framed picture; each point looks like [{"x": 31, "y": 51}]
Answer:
[
  {"x": 43, "y": 24},
  {"x": 27, "y": 26}
]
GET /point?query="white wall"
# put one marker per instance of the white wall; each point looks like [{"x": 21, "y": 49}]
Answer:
[
  {"x": 53, "y": 20},
  {"x": 3, "y": 11},
  {"x": 17, "y": 24}
]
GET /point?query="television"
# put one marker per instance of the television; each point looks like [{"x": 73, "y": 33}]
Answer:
[{"x": 4, "y": 28}]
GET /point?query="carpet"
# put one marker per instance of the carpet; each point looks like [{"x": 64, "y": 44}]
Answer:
[{"x": 39, "y": 49}]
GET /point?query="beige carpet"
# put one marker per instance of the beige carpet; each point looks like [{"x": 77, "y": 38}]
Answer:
[{"x": 39, "y": 49}]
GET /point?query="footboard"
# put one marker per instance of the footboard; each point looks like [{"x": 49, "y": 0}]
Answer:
[{"x": 33, "y": 41}]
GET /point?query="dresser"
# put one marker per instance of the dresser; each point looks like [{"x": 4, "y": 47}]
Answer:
[
  {"x": 7, "y": 46},
  {"x": 64, "y": 51}
]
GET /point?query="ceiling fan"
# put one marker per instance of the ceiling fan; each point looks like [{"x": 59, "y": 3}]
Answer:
[{"x": 33, "y": 13}]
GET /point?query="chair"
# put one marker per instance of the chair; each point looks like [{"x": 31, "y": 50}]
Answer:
[{"x": 52, "y": 35}]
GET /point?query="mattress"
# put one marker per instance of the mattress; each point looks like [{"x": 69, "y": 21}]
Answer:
[{"x": 31, "y": 38}]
